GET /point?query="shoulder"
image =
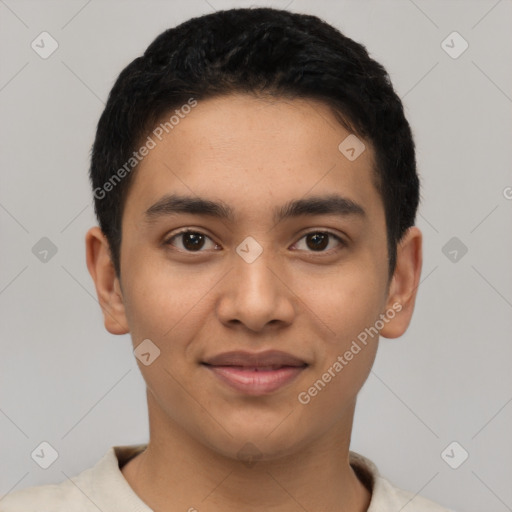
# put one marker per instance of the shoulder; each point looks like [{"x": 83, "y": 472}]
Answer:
[
  {"x": 77, "y": 494},
  {"x": 405, "y": 499},
  {"x": 385, "y": 496},
  {"x": 62, "y": 497},
  {"x": 101, "y": 487}
]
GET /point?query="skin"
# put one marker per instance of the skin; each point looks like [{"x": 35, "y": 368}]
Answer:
[{"x": 254, "y": 154}]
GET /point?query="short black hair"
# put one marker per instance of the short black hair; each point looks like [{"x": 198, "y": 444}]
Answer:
[{"x": 258, "y": 51}]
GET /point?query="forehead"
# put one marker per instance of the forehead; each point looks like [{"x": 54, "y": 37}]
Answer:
[{"x": 252, "y": 152}]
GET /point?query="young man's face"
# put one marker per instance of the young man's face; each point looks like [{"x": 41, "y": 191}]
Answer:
[{"x": 308, "y": 294}]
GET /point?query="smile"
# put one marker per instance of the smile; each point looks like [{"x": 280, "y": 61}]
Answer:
[{"x": 255, "y": 381}]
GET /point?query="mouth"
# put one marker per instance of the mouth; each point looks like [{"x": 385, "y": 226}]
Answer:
[{"x": 255, "y": 373}]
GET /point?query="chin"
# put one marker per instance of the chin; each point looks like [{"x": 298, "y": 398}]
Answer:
[{"x": 258, "y": 443}]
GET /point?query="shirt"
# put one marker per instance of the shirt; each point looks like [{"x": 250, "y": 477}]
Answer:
[{"x": 103, "y": 487}]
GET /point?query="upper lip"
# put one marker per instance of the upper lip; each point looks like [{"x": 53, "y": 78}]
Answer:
[{"x": 255, "y": 359}]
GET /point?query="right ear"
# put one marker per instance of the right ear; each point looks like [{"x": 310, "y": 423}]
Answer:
[{"x": 108, "y": 288}]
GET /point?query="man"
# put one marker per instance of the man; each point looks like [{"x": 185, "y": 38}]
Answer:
[{"x": 255, "y": 184}]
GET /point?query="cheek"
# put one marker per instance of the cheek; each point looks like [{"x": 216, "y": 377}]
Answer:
[
  {"x": 165, "y": 310},
  {"x": 346, "y": 302},
  {"x": 349, "y": 306},
  {"x": 334, "y": 388},
  {"x": 159, "y": 299}
]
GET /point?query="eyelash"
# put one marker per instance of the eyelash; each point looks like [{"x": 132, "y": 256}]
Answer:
[{"x": 327, "y": 232}]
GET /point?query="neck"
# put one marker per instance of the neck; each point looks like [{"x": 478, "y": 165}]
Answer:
[{"x": 177, "y": 472}]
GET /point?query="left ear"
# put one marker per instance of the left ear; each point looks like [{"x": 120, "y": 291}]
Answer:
[{"x": 404, "y": 283}]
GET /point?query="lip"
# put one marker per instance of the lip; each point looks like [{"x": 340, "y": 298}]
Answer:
[
  {"x": 255, "y": 373},
  {"x": 254, "y": 359}
]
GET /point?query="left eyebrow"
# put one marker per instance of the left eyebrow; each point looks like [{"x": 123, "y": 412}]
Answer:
[
  {"x": 320, "y": 205},
  {"x": 317, "y": 205},
  {"x": 173, "y": 204}
]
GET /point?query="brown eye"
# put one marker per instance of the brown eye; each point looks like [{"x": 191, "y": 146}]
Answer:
[
  {"x": 317, "y": 241},
  {"x": 191, "y": 241}
]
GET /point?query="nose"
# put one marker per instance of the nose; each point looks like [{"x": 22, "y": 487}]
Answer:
[{"x": 256, "y": 295}]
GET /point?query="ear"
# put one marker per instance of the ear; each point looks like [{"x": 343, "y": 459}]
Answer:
[
  {"x": 404, "y": 283},
  {"x": 108, "y": 287}
]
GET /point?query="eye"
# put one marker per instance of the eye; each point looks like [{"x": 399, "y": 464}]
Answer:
[
  {"x": 194, "y": 241},
  {"x": 317, "y": 241},
  {"x": 191, "y": 241}
]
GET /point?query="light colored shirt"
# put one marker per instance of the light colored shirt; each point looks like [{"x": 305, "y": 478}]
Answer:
[{"x": 104, "y": 488}]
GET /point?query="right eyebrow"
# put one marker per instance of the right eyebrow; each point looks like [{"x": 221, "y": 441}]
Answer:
[
  {"x": 318, "y": 205},
  {"x": 173, "y": 203}
]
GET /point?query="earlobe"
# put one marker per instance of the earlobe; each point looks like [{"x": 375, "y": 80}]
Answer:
[
  {"x": 106, "y": 282},
  {"x": 404, "y": 283}
]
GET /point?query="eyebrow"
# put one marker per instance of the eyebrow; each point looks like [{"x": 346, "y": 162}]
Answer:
[{"x": 333, "y": 204}]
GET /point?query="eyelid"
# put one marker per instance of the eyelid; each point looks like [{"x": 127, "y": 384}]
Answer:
[
  {"x": 167, "y": 241},
  {"x": 338, "y": 238}
]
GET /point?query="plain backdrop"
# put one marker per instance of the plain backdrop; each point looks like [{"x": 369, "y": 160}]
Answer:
[{"x": 66, "y": 381}]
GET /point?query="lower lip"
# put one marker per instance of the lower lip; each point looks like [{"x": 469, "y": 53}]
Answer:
[{"x": 253, "y": 382}]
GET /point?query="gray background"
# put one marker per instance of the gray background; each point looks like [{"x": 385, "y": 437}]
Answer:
[{"x": 67, "y": 381}]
